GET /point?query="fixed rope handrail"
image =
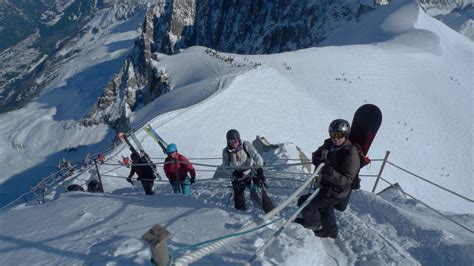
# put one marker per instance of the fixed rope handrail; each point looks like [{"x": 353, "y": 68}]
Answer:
[
  {"x": 210, "y": 241},
  {"x": 52, "y": 179},
  {"x": 282, "y": 227},
  {"x": 213, "y": 165},
  {"x": 196, "y": 255},
  {"x": 434, "y": 184},
  {"x": 426, "y": 205}
]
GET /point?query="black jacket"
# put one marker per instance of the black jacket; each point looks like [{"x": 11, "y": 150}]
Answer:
[
  {"x": 144, "y": 172},
  {"x": 344, "y": 160}
]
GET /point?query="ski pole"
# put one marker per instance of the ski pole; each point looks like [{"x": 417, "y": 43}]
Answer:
[
  {"x": 133, "y": 185},
  {"x": 228, "y": 201}
]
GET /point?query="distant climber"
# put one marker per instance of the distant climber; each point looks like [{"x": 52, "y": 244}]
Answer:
[{"x": 100, "y": 158}]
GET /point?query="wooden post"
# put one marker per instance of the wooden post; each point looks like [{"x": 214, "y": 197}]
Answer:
[
  {"x": 157, "y": 238},
  {"x": 381, "y": 170},
  {"x": 98, "y": 175}
]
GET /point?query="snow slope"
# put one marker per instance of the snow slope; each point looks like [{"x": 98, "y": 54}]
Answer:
[
  {"x": 415, "y": 68},
  {"x": 35, "y": 137},
  {"x": 419, "y": 73},
  {"x": 85, "y": 228}
]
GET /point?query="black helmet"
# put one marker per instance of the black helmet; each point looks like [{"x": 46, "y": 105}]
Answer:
[
  {"x": 93, "y": 186},
  {"x": 233, "y": 134},
  {"x": 135, "y": 156},
  {"x": 340, "y": 125},
  {"x": 75, "y": 187}
]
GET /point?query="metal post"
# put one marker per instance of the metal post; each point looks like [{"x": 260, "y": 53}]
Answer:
[
  {"x": 98, "y": 175},
  {"x": 43, "y": 188},
  {"x": 34, "y": 194},
  {"x": 157, "y": 238},
  {"x": 381, "y": 170}
]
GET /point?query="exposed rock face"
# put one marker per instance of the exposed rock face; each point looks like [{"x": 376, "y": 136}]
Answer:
[
  {"x": 457, "y": 14},
  {"x": 39, "y": 36},
  {"x": 243, "y": 27},
  {"x": 249, "y": 27}
]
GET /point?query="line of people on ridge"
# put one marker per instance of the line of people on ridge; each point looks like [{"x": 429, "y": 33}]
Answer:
[
  {"x": 243, "y": 163},
  {"x": 239, "y": 159}
]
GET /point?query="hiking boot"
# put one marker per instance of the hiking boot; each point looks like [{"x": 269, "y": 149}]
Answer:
[
  {"x": 325, "y": 233},
  {"x": 301, "y": 221}
]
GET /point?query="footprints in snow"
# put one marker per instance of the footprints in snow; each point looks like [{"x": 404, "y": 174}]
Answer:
[
  {"x": 454, "y": 80},
  {"x": 444, "y": 172},
  {"x": 409, "y": 128},
  {"x": 347, "y": 79}
]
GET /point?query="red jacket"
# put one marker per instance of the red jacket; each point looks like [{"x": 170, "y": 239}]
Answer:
[{"x": 177, "y": 169}]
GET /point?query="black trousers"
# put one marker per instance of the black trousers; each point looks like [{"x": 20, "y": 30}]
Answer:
[
  {"x": 320, "y": 211},
  {"x": 239, "y": 197},
  {"x": 148, "y": 187}
]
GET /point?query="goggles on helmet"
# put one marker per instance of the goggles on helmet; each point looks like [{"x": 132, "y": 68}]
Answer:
[{"x": 337, "y": 135}]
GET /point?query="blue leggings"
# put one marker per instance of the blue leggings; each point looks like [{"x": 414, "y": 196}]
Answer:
[{"x": 181, "y": 187}]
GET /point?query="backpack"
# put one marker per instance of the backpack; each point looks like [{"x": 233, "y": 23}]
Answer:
[
  {"x": 94, "y": 186},
  {"x": 245, "y": 148},
  {"x": 364, "y": 160}
]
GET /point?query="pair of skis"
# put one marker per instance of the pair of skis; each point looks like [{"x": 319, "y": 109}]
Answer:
[
  {"x": 152, "y": 133},
  {"x": 140, "y": 150}
]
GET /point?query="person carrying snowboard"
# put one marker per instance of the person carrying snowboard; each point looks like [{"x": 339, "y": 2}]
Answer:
[
  {"x": 176, "y": 168},
  {"x": 144, "y": 170},
  {"x": 237, "y": 159},
  {"x": 341, "y": 165}
]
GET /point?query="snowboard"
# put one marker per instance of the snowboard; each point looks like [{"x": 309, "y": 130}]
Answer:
[{"x": 365, "y": 124}]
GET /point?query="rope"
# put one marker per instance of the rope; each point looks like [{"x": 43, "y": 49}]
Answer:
[
  {"x": 429, "y": 207},
  {"x": 133, "y": 178},
  {"x": 52, "y": 179},
  {"x": 215, "y": 165},
  {"x": 220, "y": 158},
  {"x": 113, "y": 170},
  {"x": 195, "y": 255},
  {"x": 234, "y": 235},
  {"x": 291, "y": 173},
  {"x": 282, "y": 227},
  {"x": 201, "y": 180},
  {"x": 376, "y": 160},
  {"x": 434, "y": 184}
]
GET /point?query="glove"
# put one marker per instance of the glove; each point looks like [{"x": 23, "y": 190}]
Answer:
[
  {"x": 260, "y": 175},
  {"x": 129, "y": 179},
  {"x": 316, "y": 158},
  {"x": 238, "y": 174},
  {"x": 327, "y": 170},
  {"x": 192, "y": 180}
]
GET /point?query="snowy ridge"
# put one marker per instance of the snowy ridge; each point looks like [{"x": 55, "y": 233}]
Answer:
[
  {"x": 107, "y": 228},
  {"x": 413, "y": 67}
]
